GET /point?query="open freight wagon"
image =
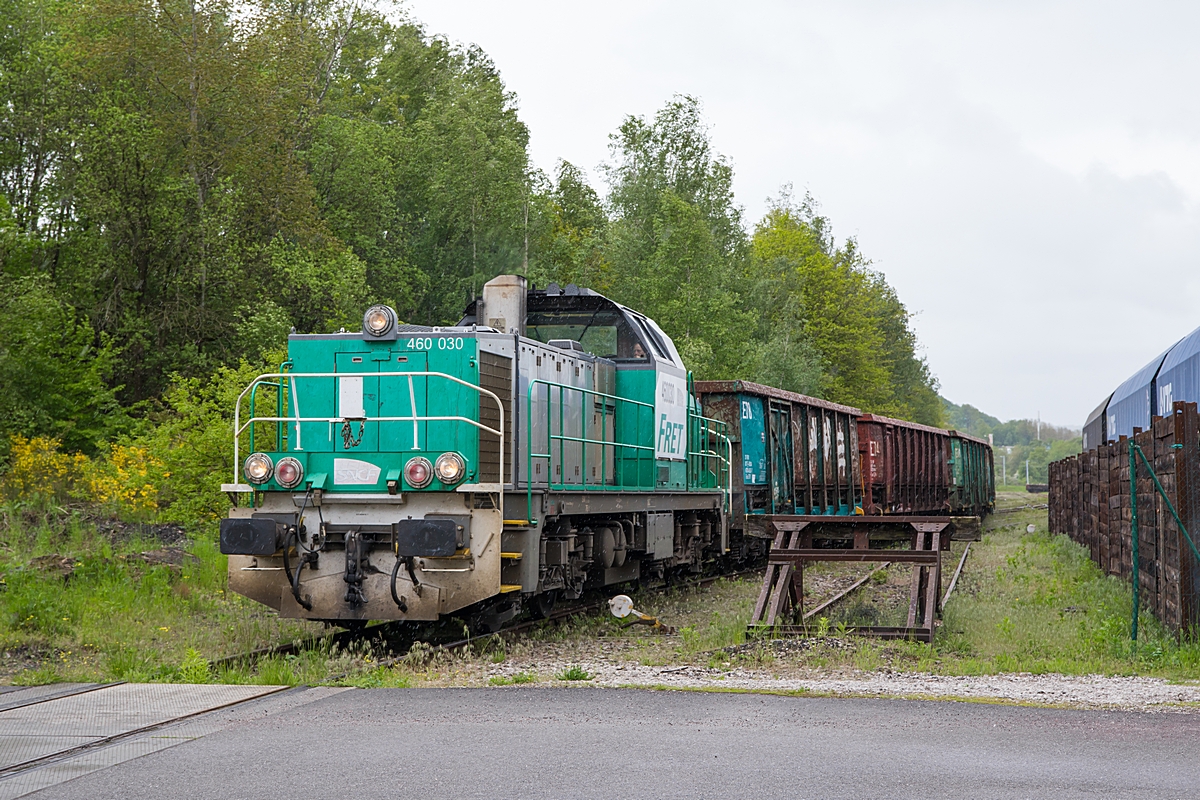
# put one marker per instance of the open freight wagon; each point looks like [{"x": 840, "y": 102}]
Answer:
[
  {"x": 916, "y": 469},
  {"x": 792, "y": 454}
]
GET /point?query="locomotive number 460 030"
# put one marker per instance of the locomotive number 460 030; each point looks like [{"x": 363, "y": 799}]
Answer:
[{"x": 443, "y": 343}]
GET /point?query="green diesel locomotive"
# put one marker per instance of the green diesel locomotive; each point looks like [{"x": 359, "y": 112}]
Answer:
[{"x": 548, "y": 443}]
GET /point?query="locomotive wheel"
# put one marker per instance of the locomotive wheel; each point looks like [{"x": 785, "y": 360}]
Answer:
[{"x": 619, "y": 548}]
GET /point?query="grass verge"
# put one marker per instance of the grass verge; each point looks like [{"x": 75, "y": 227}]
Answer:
[
  {"x": 93, "y": 600},
  {"x": 87, "y": 599},
  {"x": 1026, "y": 602}
]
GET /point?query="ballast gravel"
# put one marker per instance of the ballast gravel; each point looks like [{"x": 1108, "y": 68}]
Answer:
[{"x": 1085, "y": 691}]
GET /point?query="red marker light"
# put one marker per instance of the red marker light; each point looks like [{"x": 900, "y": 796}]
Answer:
[
  {"x": 418, "y": 472},
  {"x": 289, "y": 472}
]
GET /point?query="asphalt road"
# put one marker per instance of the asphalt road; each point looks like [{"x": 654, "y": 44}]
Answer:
[{"x": 518, "y": 743}]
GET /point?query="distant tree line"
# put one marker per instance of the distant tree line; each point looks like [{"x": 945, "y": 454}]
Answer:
[
  {"x": 969, "y": 419},
  {"x": 1018, "y": 440},
  {"x": 183, "y": 181}
]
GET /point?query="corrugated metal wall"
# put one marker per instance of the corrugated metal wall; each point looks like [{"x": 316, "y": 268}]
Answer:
[{"x": 1090, "y": 502}]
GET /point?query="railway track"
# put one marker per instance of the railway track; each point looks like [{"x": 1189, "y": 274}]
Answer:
[
  {"x": 60, "y": 734},
  {"x": 858, "y": 584},
  {"x": 402, "y": 637}
]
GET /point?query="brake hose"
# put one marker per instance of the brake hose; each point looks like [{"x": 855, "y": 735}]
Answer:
[
  {"x": 287, "y": 567},
  {"x": 306, "y": 553},
  {"x": 400, "y": 601}
]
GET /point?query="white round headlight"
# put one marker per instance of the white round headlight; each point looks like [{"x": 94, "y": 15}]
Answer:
[
  {"x": 449, "y": 468},
  {"x": 258, "y": 468},
  {"x": 289, "y": 472},
  {"x": 378, "y": 320}
]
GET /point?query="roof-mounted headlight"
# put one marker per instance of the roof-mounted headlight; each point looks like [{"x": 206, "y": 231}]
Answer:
[
  {"x": 379, "y": 321},
  {"x": 258, "y": 468},
  {"x": 449, "y": 468}
]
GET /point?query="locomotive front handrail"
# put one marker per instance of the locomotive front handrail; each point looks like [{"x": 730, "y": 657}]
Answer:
[{"x": 239, "y": 427}]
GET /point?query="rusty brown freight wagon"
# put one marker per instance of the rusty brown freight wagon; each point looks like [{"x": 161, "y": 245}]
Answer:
[
  {"x": 906, "y": 467},
  {"x": 792, "y": 454}
]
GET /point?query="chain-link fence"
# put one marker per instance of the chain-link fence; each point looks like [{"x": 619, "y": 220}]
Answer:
[{"x": 1145, "y": 523}]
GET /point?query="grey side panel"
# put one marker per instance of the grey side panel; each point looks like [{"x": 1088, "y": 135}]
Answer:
[{"x": 660, "y": 534}]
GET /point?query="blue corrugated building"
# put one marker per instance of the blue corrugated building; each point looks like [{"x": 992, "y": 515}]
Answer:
[
  {"x": 1134, "y": 401},
  {"x": 1096, "y": 427},
  {"x": 1179, "y": 377},
  {"x": 1172, "y": 376}
]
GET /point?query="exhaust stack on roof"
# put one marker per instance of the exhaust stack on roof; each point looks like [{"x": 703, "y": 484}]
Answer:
[{"x": 503, "y": 304}]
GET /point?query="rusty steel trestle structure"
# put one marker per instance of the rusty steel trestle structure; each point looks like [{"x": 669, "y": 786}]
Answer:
[{"x": 795, "y": 537}]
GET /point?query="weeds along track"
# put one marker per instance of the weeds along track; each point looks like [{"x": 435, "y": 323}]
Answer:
[{"x": 446, "y": 636}]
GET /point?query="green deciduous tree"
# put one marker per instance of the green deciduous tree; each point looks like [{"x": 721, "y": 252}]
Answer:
[
  {"x": 569, "y": 230},
  {"x": 850, "y": 320},
  {"x": 423, "y": 169},
  {"x": 675, "y": 241},
  {"x": 165, "y": 176},
  {"x": 53, "y": 373}
]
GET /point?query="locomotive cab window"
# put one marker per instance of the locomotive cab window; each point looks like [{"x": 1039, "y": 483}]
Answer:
[
  {"x": 656, "y": 343},
  {"x": 602, "y": 333}
]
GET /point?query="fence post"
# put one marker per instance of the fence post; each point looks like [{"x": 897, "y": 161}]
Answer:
[{"x": 1133, "y": 531}]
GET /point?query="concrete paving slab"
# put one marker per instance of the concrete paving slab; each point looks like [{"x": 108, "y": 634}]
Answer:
[
  {"x": 40, "y": 730},
  {"x": 29, "y": 781},
  {"x": 22, "y": 747},
  {"x": 102, "y": 756},
  {"x": 24, "y": 695}
]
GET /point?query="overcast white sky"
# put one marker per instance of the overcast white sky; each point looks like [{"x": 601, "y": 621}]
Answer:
[{"x": 1026, "y": 174}]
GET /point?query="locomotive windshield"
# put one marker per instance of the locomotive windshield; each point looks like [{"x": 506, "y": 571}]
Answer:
[{"x": 603, "y": 332}]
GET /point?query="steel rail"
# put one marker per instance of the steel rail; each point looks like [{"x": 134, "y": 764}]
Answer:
[
  {"x": 58, "y": 695},
  {"x": 845, "y": 592},
  {"x": 957, "y": 572},
  {"x": 252, "y": 657},
  {"x": 555, "y": 616}
]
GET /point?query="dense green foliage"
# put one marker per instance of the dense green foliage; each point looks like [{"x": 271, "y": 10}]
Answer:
[
  {"x": 183, "y": 181},
  {"x": 784, "y": 305}
]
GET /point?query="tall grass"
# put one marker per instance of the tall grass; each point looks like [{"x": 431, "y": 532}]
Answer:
[
  {"x": 1035, "y": 602},
  {"x": 115, "y": 616}
]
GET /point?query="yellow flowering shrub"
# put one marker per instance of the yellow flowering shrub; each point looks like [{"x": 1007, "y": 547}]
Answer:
[
  {"x": 38, "y": 471},
  {"x": 124, "y": 478}
]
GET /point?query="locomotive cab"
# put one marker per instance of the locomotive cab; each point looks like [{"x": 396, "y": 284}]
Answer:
[{"x": 634, "y": 360}]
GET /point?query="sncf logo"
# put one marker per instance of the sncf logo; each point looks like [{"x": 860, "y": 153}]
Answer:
[{"x": 351, "y": 471}]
